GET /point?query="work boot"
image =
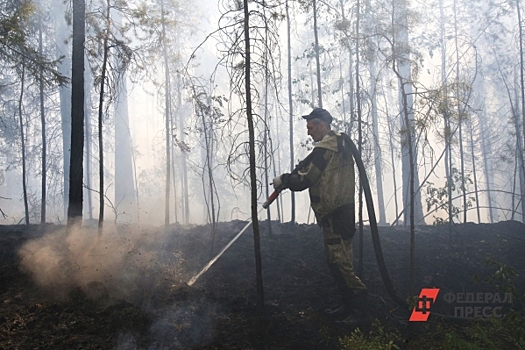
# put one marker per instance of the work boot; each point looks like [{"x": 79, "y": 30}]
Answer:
[{"x": 358, "y": 309}]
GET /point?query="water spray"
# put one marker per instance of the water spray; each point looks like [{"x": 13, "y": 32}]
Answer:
[{"x": 212, "y": 261}]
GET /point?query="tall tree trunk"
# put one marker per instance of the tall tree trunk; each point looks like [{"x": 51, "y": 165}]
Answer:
[
  {"x": 486, "y": 153},
  {"x": 522, "y": 91},
  {"x": 253, "y": 174},
  {"x": 207, "y": 127},
  {"x": 393, "y": 161},
  {"x": 22, "y": 138},
  {"x": 64, "y": 68},
  {"x": 167, "y": 111},
  {"x": 290, "y": 104},
  {"x": 317, "y": 63},
  {"x": 124, "y": 186},
  {"x": 276, "y": 165},
  {"x": 360, "y": 135},
  {"x": 519, "y": 166},
  {"x": 377, "y": 146},
  {"x": 266, "y": 126},
  {"x": 514, "y": 180},
  {"x": 402, "y": 68},
  {"x": 408, "y": 131},
  {"x": 43, "y": 125},
  {"x": 184, "y": 170},
  {"x": 473, "y": 156},
  {"x": 406, "y": 102},
  {"x": 519, "y": 161},
  {"x": 446, "y": 117},
  {"x": 174, "y": 182},
  {"x": 460, "y": 117},
  {"x": 74, "y": 213},
  {"x": 101, "y": 119},
  {"x": 350, "y": 93},
  {"x": 88, "y": 146}
]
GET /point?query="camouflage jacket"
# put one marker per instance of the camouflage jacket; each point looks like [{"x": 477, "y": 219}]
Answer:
[{"x": 329, "y": 175}]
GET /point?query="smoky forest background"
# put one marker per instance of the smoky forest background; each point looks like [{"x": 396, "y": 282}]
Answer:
[{"x": 432, "y": 93}]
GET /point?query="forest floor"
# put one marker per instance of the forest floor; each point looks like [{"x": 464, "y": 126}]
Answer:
[{"x": 125, "y": 289}]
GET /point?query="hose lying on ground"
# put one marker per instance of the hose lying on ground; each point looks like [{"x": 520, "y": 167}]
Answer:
[{"x": 373, "y": 222}]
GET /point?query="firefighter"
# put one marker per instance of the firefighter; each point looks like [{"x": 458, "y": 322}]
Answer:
[{"x": 328, "y": 173}]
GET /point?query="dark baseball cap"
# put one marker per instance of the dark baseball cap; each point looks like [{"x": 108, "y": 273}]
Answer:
[{"x": 321, "y": 114}]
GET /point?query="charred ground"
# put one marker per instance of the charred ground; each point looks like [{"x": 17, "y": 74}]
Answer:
[{"x": 144, "y": 304}]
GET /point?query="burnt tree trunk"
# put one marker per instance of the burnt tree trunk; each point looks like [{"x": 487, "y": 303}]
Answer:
[
  {"x": 74, "y": 213},
  {"x": 101, "y": 120},
  {"x": 253, "y": 175},
  {"x": 43, "y": 127},
  {"x": 290, "y": 103},
  {"x": 22, "y": 138}
]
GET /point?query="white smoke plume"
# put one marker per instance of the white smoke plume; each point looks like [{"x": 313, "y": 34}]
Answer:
[{"x": 124, "y": 263}]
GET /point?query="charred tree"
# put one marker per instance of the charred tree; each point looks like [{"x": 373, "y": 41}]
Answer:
[
  {"x": 77, "y": 114},
  {"x": 88, "y": 146},
  {"x": 522, "y": 95},
  {"x": 266, "y": 128},
  {"x": 253, "y": 175},
  {"x": 64, "y": 67},
  {"x": 23, "y": 141},
  {"x": 359, "y": 133},
  {"x": 43, "y": 130},
  {"x": 290, "y": 103},
  {"x": 103, "y": 78}
]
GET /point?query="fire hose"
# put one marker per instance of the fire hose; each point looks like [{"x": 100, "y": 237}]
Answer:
[
  {"x": 373, "y": 223},
  {"x": 372, "y": 218}
]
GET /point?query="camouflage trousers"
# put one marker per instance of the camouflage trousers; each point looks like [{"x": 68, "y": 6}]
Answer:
[{"x": 338, "y": 232}]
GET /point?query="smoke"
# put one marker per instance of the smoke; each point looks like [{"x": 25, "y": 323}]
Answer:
[
  {"x": 143, "y": 266},
  {"x": 123, "y": 264},
  {"x": 183, "y": 326}
]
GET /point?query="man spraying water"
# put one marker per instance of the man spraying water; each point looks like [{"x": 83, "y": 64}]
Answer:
[{"x": 328, "y": 173}]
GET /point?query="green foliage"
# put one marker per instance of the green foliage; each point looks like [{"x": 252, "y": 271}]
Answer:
[
  {"x": 16, "y": 32},
  {"x": 507, "y": 332},
  {"x": 502, "y": 278},
  {"x": 437, "y": 197},
  {"x": 377, "y": 339}
]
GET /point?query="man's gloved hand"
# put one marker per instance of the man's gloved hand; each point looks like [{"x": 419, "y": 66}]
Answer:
[{"x": 278, "y": 183}]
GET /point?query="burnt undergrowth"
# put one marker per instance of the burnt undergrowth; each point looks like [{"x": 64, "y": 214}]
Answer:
[{"x": 126, "y": 289}]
